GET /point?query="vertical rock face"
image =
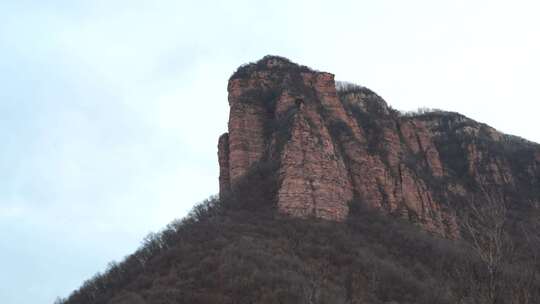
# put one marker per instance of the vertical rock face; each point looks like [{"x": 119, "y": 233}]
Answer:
[
  {"x": 313, "y": 176},
  {"x": 334, "y": 147},
  {"x": 276, "y": 115},
  {"x": 224, "y": 168}
]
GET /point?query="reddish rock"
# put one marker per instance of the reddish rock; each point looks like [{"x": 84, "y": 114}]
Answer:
[
  {"x": 314, "y": 180},
  {"x": 224, "y": 168},
  {"x": 420, "y": 140},
  {"x": 335, "y": 147}
]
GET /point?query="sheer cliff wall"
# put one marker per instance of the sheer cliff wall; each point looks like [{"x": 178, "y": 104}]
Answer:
[{"x": 336, "y": 147}]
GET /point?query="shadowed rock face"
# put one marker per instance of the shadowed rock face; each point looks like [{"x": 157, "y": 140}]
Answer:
[{"x": 338, "y": 147}]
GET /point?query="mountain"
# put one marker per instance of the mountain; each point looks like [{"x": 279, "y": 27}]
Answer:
[
  {"x": 333, "y": 145},
  {"x": 329, "y": 195}
]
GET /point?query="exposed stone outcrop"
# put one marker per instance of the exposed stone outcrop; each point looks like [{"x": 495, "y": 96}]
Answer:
[
  {"x": 313, "y": 176},
  {"x": 339, "y": 147},
  {"x": 224, "y": 167}
]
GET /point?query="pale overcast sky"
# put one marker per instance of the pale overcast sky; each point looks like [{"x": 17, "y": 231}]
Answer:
[{"x": 110, "y": 110}]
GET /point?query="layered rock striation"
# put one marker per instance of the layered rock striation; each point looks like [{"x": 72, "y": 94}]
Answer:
[{"x": 335, "y": 147}]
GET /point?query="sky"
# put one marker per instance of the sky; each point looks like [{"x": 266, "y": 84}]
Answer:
[{"x": 110, "y": 110}]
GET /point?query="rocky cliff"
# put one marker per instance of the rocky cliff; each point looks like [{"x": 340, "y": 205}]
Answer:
[
  {"x": 335, "y": 147},
  {"x": 307, "y": 147}
]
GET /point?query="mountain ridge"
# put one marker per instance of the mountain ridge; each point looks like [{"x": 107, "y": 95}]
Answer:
[
  {"x": 342, "y": 143},
  {"x": 319, "y": 185}
]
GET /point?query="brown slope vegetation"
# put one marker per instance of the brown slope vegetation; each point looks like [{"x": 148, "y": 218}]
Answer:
[{"x": 225, "y": 254}]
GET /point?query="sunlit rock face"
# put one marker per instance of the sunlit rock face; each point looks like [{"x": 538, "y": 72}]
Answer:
[{"x": 335, "y": 147}]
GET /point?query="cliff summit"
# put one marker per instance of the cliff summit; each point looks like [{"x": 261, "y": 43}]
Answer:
[{"x": 335, "y": 145}]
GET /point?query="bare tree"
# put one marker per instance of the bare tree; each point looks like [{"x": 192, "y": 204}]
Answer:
[
  {"x": 485, "y": 226},
  {"x": 59, "y": 301},
  {"x": 504, "y": 274},
  {"x": 523, "y": 287}
]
